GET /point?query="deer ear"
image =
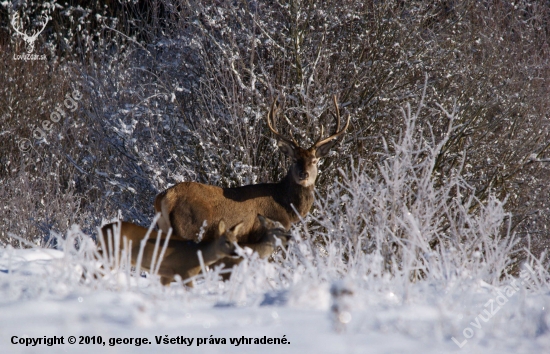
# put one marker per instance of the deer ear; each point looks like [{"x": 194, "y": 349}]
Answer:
[
  {"x": 263, "y": 221},
  {"x": 324, "y": 149},
  {"x": 221, "y": 227},
  {"x": 235, "y": 231},
  {"x": 237, "y": 228},
  {"x": 286, "y": 149}
]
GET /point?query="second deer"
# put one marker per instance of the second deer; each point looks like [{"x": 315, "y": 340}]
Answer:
[
  {"x": 273, "y": 234},
  {"x": 180, "y": 256}
]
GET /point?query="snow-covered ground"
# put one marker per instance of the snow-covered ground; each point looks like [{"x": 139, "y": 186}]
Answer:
[{"x": 41, "y": 295}]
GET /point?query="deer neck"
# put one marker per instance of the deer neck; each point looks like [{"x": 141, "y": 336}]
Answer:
[{"x": 294, "y": 194}]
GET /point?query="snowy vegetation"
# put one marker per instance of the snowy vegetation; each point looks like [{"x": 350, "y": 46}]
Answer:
[{"x": 429, "y": 215}]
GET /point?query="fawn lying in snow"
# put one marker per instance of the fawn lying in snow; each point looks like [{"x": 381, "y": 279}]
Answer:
[{"x": 180, "y": 256}]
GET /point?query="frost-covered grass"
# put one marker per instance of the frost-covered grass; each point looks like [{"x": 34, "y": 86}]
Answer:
[{"x": 392, "y": 260}]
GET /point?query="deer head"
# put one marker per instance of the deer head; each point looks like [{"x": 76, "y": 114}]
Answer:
[
  {"x": 228, "y": 239},
  {"x": 28, "y": 39},
  {"x": 274, "y": 230},
  {"x": 304, "y": 161}
]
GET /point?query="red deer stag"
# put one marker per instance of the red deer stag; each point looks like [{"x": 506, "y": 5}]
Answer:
[{"x": 188, "y": 205}]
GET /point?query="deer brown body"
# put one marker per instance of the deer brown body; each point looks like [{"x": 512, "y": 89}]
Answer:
[
  {"x": 180, "y": 256},
  {"x": 191, "y": 203},
  {"x": 187, "y": 205}
]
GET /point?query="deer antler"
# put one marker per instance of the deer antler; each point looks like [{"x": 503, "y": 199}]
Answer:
[
  {"x": 320, "y": 135},
  {"x": 338, "y": 131},
  {"x": 270, "y": 116}
]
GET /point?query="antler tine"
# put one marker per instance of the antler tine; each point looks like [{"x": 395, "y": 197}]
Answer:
[
  {"x": 320, "y": 135},
  {"x": 338, "y": 131},
  {"x": 270, "y": 116},
  {"x": 291, "y": 134}
]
